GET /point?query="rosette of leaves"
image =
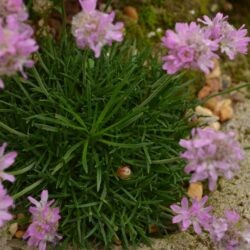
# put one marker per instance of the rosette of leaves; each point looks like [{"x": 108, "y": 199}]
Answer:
[{"x": 77, "y": 119}]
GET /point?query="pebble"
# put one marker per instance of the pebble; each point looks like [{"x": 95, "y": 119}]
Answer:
[
  {"x": 195, "y": 190},
  {"x": 214, "y": 125},
  {"x": 212, "y": 102},
  {"x": 19, "y": 234},
  {"x": 214, "y": 83},
  {"x": 131, "y": 12},
  {"x": 13, "y": 228},
  {"x": 216, "y": 72},
  {"x": 224, "y": 110},
  {"x": 204, "y": 92}
]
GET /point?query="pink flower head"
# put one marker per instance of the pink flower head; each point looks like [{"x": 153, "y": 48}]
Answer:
[
  {"x": 13, "y": 7},
  {"x": 6, "y": 202},
  {"x": 94, "y": 29},
  {"x": 231, "y": 41},
  {"x": 211, "y": 154},
  {"x": 188, "y": 47},
  {"x": 6, "y": 160},
  {"x": 232, "y": 217},
  {"x": 196, "y": 215},
  {"x": 224, "y": 233},
  {"x": 16, "y": 46},
  {"x": 44, "y": 224}
]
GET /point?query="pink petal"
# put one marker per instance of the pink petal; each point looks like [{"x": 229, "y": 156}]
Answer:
[
  {"x": 176, "y": 208},
  {"x": 1, "y": 84},
  {"x": 88, "y": 5},
  {"x": 197, "y": 227},
  {"x": 7, "y": 177},
  {"x": 2, "y": 149},
  {"x": 44, "y": 196},
  {"x": 177, "y": 219},
  {"x": 184, "y": 203}
]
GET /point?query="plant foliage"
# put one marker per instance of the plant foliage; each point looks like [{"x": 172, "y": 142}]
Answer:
[{"x": 77, "y": 119}]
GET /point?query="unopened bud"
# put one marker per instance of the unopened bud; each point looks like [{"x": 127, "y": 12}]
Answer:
[{"x": 124, "y": 172}]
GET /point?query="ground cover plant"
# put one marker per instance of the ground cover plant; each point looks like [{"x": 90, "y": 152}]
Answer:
[
  {"x": 77, "y": 119},
  {"x": 98, "y": 127}
]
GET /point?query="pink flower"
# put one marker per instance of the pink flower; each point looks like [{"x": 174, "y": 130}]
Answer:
[
  {"x": 6, "y": 160},
  {"x": 218, "y": 228},
  {"x": 6, "y": 202},
  {"x": 93, "y": 29},
  {"x": 13, "y": 7},
  {"x": 16, "y": 46},
  {"x": 211, "y": 154},
  {"x": 196, "y": 215},
  {"x": 232, "y": 217},
  {"x": 231, "y": 40},
  {"x": 188, "y": 48},
  {"x": 44, "y": 224},
  {"x": 224, "y": 233}
]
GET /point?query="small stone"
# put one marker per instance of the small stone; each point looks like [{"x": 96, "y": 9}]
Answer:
[
  {"x": 226, "y": 113},
  {"x": 201, "y": 111},
  {"x": 153, "y": 229},
  {"x": 131, "y": 12},
  {"x": 205, "y": 116},
  {"x": 214, "y": 125},
  {"x": 226, "y": 82},
  {"x": 20, "y": 216},
  {"x": 214, "y": 7},
  {"x": 195, "y": 190},
  {"x": 19, "y": 234},
  {"x": 224, "y": 110},
  {"x": 237, "y": 97},
  {"x": 117, "y": 241},
  {"x": 204, "y": 92},
  {"x": 13, "y": 228},
  {"x": 216, "y": 72},
  {"x": 214, "y": 84},
  {"x": 212, "y": 102},
  {"x": 227, "y": 6},
  {"x": 124, "y": 172}
]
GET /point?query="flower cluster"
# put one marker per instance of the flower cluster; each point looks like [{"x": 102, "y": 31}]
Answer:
[
  {"x": 16, "y": 42},
  {"x": 196, "y": 215},
  {"x": 194, "y": 46},
  {"x": 94, "y": 29},
  {"x": 211, "y": 154},
  {"x": 225, "y": 232},
  {"x": 189, "y": 47},
  {"x": 6, "y": 202},
  {"x": 44, "y": 224},
  {"x": 231, "y": 41}
]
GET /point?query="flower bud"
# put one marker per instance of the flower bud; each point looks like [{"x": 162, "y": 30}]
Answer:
[{"x": 124, "y": 172}]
